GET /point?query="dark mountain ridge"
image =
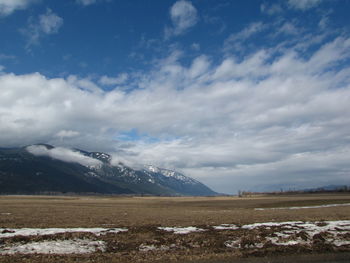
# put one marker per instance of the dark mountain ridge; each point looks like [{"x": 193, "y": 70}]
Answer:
[{"x": 44, "y": 168}]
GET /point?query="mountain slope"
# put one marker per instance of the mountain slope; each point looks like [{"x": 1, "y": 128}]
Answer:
[
  {"x": 44, "y": 168},
  {"x": 178, "y": 181}
]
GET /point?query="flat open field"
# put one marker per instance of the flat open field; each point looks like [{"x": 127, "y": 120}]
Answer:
[{"x": 135, "y": 228}]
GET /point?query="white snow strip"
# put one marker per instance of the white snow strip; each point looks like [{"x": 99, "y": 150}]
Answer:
[
  {"x": 301, "y": 207},
  {"x": 181, "y": 230},
  {"x": 310, "y": 228},
  {"x": 271, "y": 224},
  {"x": 5, "y": 214},
  {"x": 11, "y": 232},
  {"x": 280, "y": 242},
  {"x": 76, "y": 246},
  {"x": 339, "y": 243},
  {"x": 226, "y": 227}
]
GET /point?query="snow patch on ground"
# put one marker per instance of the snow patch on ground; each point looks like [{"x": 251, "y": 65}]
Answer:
[
  {"x": 5, "y": 214},
  {"x": 146, "y": 248},
  {"x": 272, "y": 224},
  {"x": 238, "y": 244},
  {"x": 301, "y": 207},
  {"x": 233, "y": 243},
  {"x": 181, "y": 230},
  {"x": 296, "y": 233},
  {"x": 11, "y": 232},
  {"x": 226, "y": 227},
  {"x": 76, "y": 246},
  {"x": 310, "y": 227},
  {"x": 339, "y": 243}
]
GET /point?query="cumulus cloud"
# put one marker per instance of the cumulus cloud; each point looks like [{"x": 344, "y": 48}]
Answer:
[
  {"x": 183, "y": 16},
  {"x": 303, "y": 4},
  {"x": 46, "y": 24},
  {"x": 7, "y": 7},
  {"x": 64, "y": 154},
  {"x": 271, "y": 116}
]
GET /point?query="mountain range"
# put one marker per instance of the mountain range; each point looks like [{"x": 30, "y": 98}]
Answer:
[{"x": 45, "y": 169}]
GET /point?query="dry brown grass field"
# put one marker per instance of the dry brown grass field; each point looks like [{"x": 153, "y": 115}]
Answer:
[{"x": 143, "y": 215}]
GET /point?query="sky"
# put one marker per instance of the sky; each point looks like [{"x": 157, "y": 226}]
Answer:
[{"x": 241, "y": 95}]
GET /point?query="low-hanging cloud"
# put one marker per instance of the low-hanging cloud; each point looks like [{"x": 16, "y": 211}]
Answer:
[{"x": 64, "y": 154}]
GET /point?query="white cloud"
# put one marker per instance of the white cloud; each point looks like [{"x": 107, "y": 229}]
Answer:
[
  {"x": 252, "y": 29},
  {"x": 195, "y": 46},
  {"x": 83, "y": 84},
  {"x": 117, "y": 159},
  {"x": 46, "y": 24},
  {"x": 288, "y": 28},
  {"x": 200, "y": 66},
  {"x": 64, "y": 154},
  {"x": 183, "y": 16},
  {"x": 120, "y": 79},
  {"x": 270, "y": 9},
  {"x": 7, "y": 57},
  {"x": 324, "y": 22},
  {"x": 50, "y": 23},
  {"x": 236, "y": 40},
  {"x": 303, "y": 4},
  {"x": 7, "y": 7}
]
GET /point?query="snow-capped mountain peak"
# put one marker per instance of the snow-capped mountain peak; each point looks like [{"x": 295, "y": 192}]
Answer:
[
  {"x": 170, "y": 174},
  {"x": 152, "y": 168}
]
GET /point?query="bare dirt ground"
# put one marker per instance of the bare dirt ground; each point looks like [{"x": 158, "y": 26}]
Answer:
[{"x": 144, "y": 241}]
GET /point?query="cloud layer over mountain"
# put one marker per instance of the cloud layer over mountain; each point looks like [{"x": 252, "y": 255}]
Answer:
[{"x": 64, "y": 154}]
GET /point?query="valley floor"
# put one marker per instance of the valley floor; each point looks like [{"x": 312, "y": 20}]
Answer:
[{"x": 174, "y": 229}]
